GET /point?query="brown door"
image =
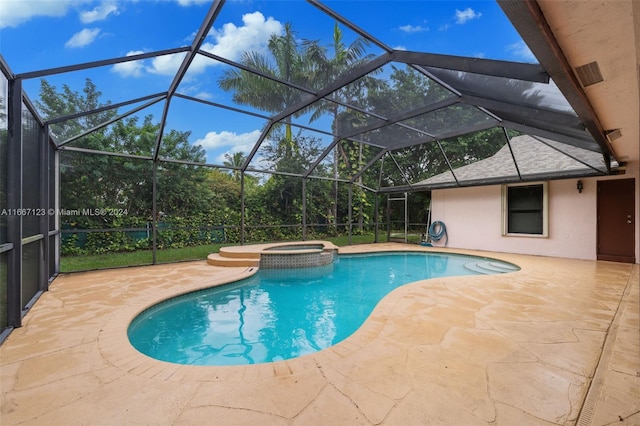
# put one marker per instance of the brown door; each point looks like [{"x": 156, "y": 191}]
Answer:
[{"x": 616, "y": 220}]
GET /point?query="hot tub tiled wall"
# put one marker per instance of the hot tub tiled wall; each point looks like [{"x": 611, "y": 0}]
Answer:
[{"x": 294, "y": 259}]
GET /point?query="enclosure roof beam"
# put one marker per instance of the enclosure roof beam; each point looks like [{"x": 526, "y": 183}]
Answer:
[
  {"x": 530, "y": 22},
  {"x": 100, "y": 152},
  {"x": 322, "y": 156},
  {"x": 201, "y": 35},
  {"x": 499, "y": 107},
  {"x": 256, "y": 72},
  {"x": 392, "y": 120},
  {"x": 573, "y": 157},
  {"x": 281, "y": 81},
  {"x": 57, "y": 120},
  {"x": 401, "y": 117},
  {"x": 108, "y": 122},
  {"x": 5, "y": 69},
  {"x": 337, "y": 84},
  {"x": 341, "y": 81},
  {"x": 404, "y": 175},
  {"x": 537, "y": 177},
  {"x": 256, "y": 145},
  {"x": 217, "y": 105},
  {"x": 553, "y": 135},
  {"x": 495, "y": 68},
  {"x": 97, "y": 64},
  {"x": 467, "y": 129},
  {"x": 347, "y": 23},
  {"x": 368, "y": 165},
  {"x": 410, "y": 143}
]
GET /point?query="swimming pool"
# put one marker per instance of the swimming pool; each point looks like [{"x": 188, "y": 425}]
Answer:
[{"x": 281, "y": 314}]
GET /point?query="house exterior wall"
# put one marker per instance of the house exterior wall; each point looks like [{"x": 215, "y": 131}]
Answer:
[{"x": 473, "y": 217}]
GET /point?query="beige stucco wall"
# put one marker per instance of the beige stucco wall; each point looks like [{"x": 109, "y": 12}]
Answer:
[{"x": 474, "y": 220}]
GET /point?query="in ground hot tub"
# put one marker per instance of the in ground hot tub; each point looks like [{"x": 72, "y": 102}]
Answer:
[{"x": 298, "y": 255}]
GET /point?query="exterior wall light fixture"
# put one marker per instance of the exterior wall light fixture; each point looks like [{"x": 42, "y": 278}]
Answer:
[{"x": 579, "y": 186}]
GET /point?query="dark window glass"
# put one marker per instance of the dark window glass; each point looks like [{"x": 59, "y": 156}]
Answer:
[{"x": 525, "y": 206}]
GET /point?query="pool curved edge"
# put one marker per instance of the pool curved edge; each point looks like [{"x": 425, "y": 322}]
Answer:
[
  {"x": 115, "y": 346},
  {"x": 113, "y": 340}
]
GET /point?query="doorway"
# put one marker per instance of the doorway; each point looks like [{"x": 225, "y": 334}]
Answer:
[
  {"x": 616, "y": 220},
  {"x": 397, "y": 218}
]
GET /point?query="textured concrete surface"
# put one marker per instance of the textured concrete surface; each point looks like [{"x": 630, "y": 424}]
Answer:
[{"x": 555, "y": 343}]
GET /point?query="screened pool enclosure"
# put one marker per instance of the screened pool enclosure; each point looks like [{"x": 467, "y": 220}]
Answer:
[{"x": 344, "y": 125}]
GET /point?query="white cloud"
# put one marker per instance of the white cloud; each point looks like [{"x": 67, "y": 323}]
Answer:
[
  {"x": 444, "y": 27},
  {"x": 99, "y": 12},
  {"x": 400, "y": 47},
  {"x": 203, "y": 95},
  {"x": 166, "y": 64},
  {"x": 522, "y": 51},
  {"x": 130, "y": 69},
  {"x": 195, "y": 90},
  {"x": 162, "y": 65},
  {"x": 83, "y": 38},
  {"x": 462, "y": 16},
  {"x": 410, "y": 29},
  {"x": 242, "y": 142},
  {"x": 228, "y": 143},
  {"x": 16, "y": 12},
  {"x": 229, "y": 42},
  {"x": 190, "y": 2}
]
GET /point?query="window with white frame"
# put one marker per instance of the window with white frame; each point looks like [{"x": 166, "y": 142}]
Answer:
[{"x": 525, "y": 209}]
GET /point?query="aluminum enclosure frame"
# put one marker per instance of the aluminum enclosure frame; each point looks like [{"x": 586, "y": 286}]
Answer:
[{"x": 579, "y": 128}]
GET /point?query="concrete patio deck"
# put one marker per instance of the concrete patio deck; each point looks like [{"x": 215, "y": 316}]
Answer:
[{"x": 555, "y": 343}]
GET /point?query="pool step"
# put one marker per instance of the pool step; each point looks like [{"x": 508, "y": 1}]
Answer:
[
  {"x": 234, "y": 256},
  {"x": 242, "y": 252},
  {"x": 490, "y": 267},
  {"x": 217, "y": 259}
]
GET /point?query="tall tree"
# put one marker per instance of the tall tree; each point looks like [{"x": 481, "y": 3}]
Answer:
[
  {"x": 410, "y": 89},
  {"x": 283, "y": 193},
  {"x": 310, "y": 65},
  {"x": 234, "y": 162},
  {"x": 287, "y": 61},
  {"x": 55, "y": 104},
  {"x": 328, "y": 65},
  {"x": 92, "y": 181}
]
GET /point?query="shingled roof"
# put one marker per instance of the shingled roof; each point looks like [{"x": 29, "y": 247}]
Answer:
[{"x": 535, "y": 157}]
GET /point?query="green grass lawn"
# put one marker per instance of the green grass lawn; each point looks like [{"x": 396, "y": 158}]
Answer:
[
  {"x": 145, "y": 257},
  {"x": 133, "y": 258}
]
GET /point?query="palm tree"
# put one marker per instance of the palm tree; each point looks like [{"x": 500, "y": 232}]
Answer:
[
  {"x": 234, "y": 162},
  {"x": 308, "y": 65},
  {"x": 327, "y": 69},
  {"x": 287, "y": 62}
]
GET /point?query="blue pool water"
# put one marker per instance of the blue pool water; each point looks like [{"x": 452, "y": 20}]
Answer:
[{"x": 285, "y": 313}]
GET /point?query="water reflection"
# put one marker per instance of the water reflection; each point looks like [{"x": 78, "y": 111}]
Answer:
[
  {"x": 280, "y": 314},
  {"x": 222, "y": 326}
]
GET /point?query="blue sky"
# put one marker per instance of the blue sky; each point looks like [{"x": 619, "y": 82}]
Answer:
[{"x": 40, "y": 34}]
